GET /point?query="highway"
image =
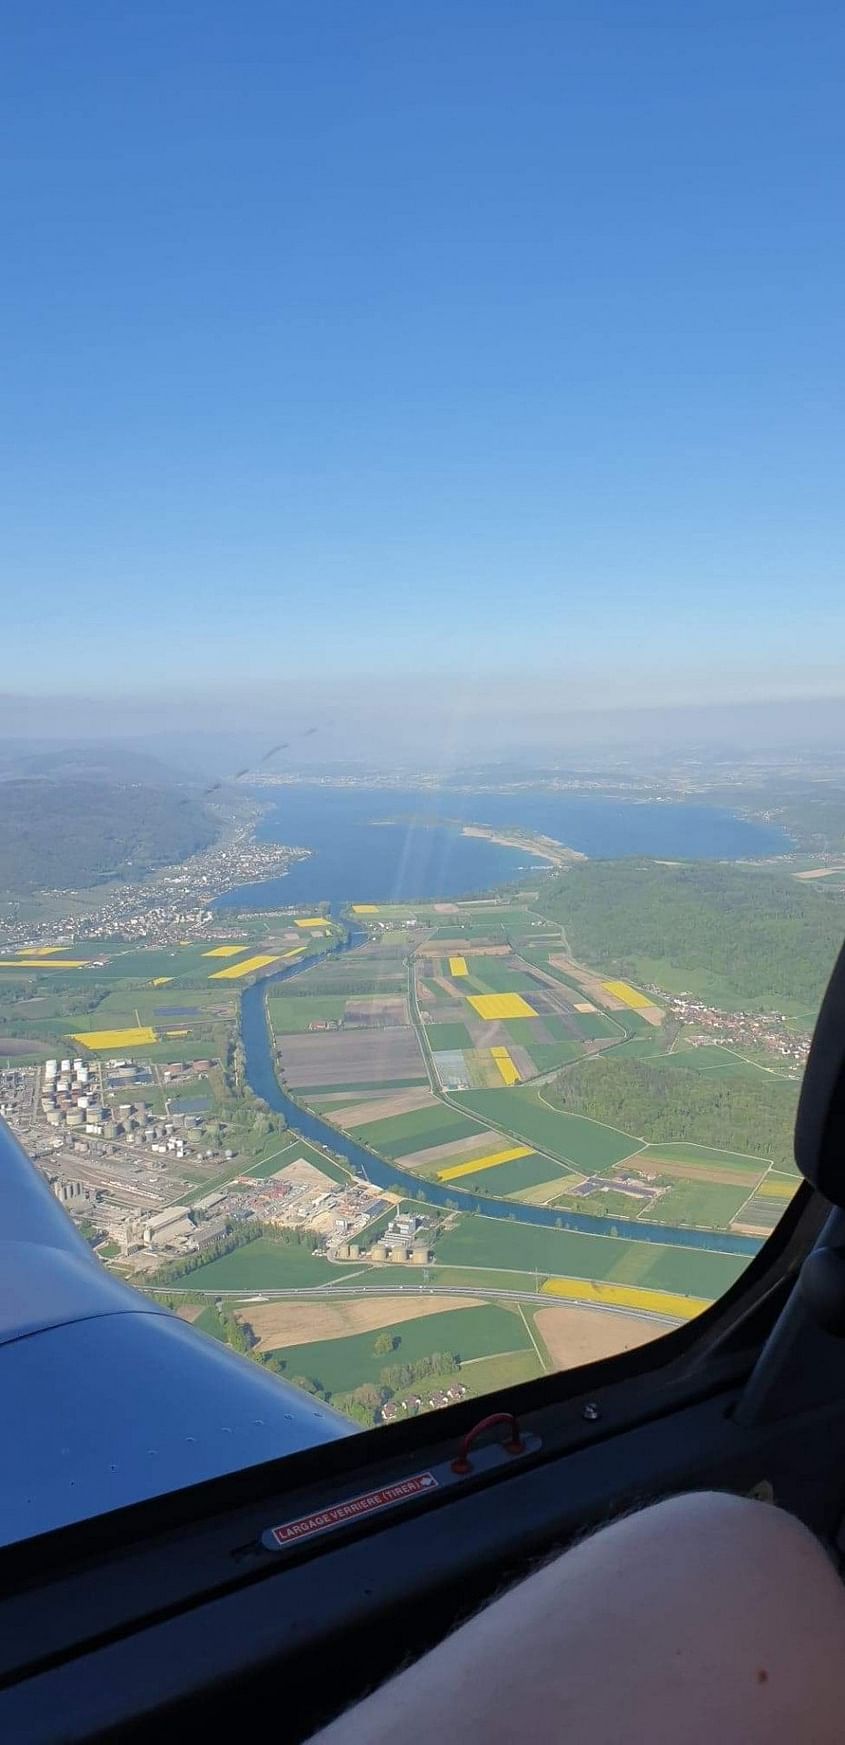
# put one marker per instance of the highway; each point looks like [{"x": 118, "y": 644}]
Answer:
[{"x": 354, "y": 1293}]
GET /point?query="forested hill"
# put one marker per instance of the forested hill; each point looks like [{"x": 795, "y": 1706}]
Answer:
[
  {"x": 741, "y": 936},
  {"x": 661, "y": 1102},
  {"x": 66, "y": 835}
]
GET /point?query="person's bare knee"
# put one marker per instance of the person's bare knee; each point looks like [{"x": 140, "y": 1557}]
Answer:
[{"x": 704, "y": 1617}]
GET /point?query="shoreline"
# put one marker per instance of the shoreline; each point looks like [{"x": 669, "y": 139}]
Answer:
[{"x": 544, "y": 847}]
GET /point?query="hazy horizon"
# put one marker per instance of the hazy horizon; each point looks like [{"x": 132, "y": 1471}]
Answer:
[{"x": 323, "y": 732}]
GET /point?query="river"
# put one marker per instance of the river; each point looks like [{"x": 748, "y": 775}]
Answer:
[{"x": 261, "y": 1075}]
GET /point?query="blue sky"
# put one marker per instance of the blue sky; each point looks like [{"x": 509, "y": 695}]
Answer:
[{"x": 413, "y": 338}]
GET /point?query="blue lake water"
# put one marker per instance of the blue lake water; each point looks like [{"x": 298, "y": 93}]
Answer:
[{"x": 359, "y": 856}]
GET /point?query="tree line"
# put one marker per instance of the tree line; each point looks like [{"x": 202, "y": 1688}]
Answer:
[
  {"x": 769, "y": 938},
  {"x": 660, "y": 1103}
]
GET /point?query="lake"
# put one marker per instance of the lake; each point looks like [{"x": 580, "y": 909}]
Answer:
[{"x": 379, "y": 845}]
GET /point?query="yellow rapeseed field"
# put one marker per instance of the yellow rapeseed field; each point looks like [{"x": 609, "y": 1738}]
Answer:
[
  {"x": 492, "y": 1006},
  {"x": 508, "y": 1069},
  {"x": 225, "y": 951},
  {"x": 772, "y": 1190},
  {"x": 610, "y": 1296},
  {"x": 365, "y": 908},
  {"x": 171, "y": 1033},
  {"x": 140, "y": 1036},
  {"x": 488, "y": 1162},
  {"x": 313, "y": 921},
  {"x": 628, "y": 995},
  {"x": 458, "y": 966},
  {"x": 244, "y": 968},
  {"x": 160, "y": 981},
  {"x": 43, "y": 963},
  {"x": 296, "y": 952},
  {"x": 43, "y": 950}
]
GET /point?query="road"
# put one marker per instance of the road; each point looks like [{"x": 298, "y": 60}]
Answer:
[{"x": 350, "y": 1293}]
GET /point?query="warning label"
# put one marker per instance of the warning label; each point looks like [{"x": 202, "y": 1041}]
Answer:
[{"x": 352, "y": 1509}]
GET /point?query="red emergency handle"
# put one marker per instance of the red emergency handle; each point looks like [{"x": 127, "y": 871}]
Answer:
[{"x": 514, "y": 1445}]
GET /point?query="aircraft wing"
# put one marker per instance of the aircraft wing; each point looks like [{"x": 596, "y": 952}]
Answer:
[{"x": 108, "y": 1398}]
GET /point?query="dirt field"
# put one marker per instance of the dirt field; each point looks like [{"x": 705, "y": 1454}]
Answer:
[
  {"x": 12, "y": 1045},
  {"x": 576, "y": 1335},
  {"x": 382, "y": 1009},
  {"x": 190, "y": 1311},
  {"x": 459, "y": 1150},
  {"x": 290, "y": 1323},
  {"x": 590, "y": 983},
  {"x": 378, "y": 1108},
  {"x": 722, "y": 1174},
  {"x": 338, "y": 1057},
  {"x": 467, "y": 948}
]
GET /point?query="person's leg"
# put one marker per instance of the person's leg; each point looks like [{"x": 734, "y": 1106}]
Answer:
[{"x": 705, "y": 1620}]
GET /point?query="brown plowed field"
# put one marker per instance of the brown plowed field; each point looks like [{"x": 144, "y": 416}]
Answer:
[
  {"x": 383, "y": 1009},
  {"x": 338, "y": 1057},
  {"x": 277, "y": 1324},
  {"x": 590, "y": 983},
  {"x": 463, "y": 947},
  {"x": 576, "y": 1335},
  {"x": 379, "y": 1108}
]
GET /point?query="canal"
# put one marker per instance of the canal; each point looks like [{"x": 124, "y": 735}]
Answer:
[{"x": 261, "y": 1075}]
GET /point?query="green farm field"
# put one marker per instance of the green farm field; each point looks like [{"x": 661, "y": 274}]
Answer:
[
  {"x": 707, "y": 1205},
  {"x": 154, "y": 1005},
  {"x": 719, "y": 1061},
  {"x": 500, "y": 1243},
  {"x": 547, "y": 1055},
  {"x": 444, "y": 1036},
  {"x": 509, "y": 1178},
  {"x": 265, "y": 1265},
  {"x": 439, "y": 1125},
  {"x": 487, "y": 1375},
  {"x": 571, "y": 1139},
  {"x": 342, "y": 1364},
  {"x": 290, "y": 1015},
  {"x": 493, "y": 975},
  {"x": 684, "y": 1153}
]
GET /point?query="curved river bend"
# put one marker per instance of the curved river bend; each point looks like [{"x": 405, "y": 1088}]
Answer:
[{"x": 261, "y": 1075}]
